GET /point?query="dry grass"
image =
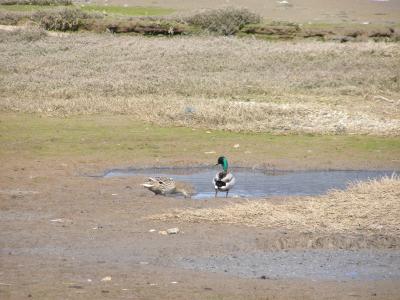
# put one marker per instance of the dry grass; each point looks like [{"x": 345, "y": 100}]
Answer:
[
  {"x": 226, "y": 21},
  {"x": 372, "y": 207},
  {"x": 35, "y": 2},
  {"x": 215, "y": 82}
]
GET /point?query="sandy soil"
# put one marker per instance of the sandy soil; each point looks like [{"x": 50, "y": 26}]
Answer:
[
  {"x": 294, "y": 10},
  {"x": 62, "y": 235}
]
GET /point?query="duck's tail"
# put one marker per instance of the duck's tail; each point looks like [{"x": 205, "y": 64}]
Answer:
[{"x": 183, "y": 192}]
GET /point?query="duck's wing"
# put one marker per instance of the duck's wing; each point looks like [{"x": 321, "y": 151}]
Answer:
[
  {"x": 216, "y": 181},
  {"x": 224, "y": 181},
  {"x": 227, "y": 178},
  {"x": 158, "y": 181},
  {"x": 150, "y": 182},
  {"x": 231, "y": 182}
]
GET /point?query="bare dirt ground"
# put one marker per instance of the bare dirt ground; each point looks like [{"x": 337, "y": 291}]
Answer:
[
  {"x": 293, "y": 10},
  {"x": 73, "y": 237}
]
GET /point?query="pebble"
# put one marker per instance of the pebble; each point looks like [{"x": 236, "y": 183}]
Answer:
[
  {"x": 173, "y": 230},
  {"x": 107, "y": 278}
]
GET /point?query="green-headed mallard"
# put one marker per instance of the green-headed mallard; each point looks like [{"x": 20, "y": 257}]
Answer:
[
  {"x": 223, "y": 181},
  {"x": 163, "y": 186}
]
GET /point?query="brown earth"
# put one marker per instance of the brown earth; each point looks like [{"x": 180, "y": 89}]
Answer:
[
  {"x": 293, "y": 10},
  {"x": 62, "y": 233}
]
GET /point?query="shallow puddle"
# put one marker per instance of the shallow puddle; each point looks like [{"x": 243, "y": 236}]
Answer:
[{"x": 258, "y": 183}]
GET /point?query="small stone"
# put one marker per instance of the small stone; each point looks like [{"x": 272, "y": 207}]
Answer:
[
  {"x": 173, "y": 230},
  {"x": 75, "y": 287},
  {"x": 163, "y": 232},
  {"x": 57, "y": 220},
  {"x": 152, "y": 230},
  {"x": 107, "y": 278}
]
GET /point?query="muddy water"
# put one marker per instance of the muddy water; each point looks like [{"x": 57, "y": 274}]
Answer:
[{"x": 258, "y": 183}]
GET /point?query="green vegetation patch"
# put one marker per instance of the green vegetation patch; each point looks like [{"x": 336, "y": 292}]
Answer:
[{"x": 124, "y": 138}]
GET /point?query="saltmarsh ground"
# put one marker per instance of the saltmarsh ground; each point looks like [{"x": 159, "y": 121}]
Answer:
[{"x": 238, "y": 84}]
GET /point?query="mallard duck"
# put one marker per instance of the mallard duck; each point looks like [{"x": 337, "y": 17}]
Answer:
[
  {"x": 163, "y": 186},
  {"x": 223, "y": 181}
]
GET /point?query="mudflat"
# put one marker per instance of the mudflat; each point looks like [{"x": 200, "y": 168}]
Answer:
[
  {"x": 293, "y": 10},
  {"x": 67, "y": 235}
]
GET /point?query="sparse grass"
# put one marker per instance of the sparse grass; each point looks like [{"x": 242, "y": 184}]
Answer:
[
  {"x": 128, "y": 11},
  {"x": 122, "y": 138},
  {"x": 210, "y": 82},
  {"x": 14, "y": 18},
  {"x": 110, "y": 10},
  {"x": 31, "y": 34},
  {"x": 35, "y": 2},
  {"x": 61, "y": 19},
  {"x": 25, "y": 8},
  {"x": 372, "y": 207}
]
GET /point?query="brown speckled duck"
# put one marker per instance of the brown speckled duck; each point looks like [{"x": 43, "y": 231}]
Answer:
[{"x": 164, "y": 186}]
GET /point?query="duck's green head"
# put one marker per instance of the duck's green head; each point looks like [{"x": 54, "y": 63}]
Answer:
[{"x": 223, "y": 162}]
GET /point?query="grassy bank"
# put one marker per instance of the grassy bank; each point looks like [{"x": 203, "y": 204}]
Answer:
[{"x": 121, "y": 139}]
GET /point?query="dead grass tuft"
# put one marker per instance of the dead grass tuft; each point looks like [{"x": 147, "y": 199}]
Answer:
[
  {"x": 14, "y": 17},
  {"x": 224, "y": 21},
  {"x": 62, "y": 19},
  {"x": 372, "y": 207}
]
